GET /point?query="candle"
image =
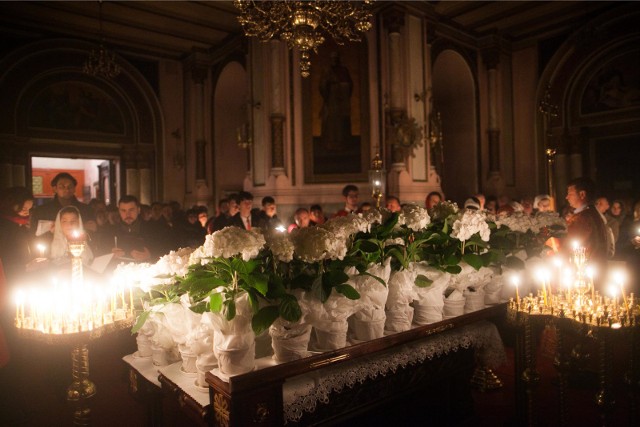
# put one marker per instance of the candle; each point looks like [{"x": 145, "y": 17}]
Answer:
[
  {"x": 515, "y": 279},
  {"x": 41, "y": 248},
  {"x": 131, "y": 298},
  {"x": 115, "y": 241}
]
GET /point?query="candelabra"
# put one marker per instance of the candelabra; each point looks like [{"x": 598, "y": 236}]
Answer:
[
  {"x": 569, "y": 300},
  {"x": 73, "y": 313}
]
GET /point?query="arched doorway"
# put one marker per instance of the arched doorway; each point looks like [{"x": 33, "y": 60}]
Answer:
[
  {"x": 52, "y": 109},
  {"x": 233, "y": 137},
  {"x": 454, "y": 95}
]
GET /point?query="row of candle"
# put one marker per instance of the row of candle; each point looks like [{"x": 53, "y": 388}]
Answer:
[{"x": 68, "y": 308}]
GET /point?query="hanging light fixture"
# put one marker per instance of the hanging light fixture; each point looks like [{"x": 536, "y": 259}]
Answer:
[
  {"x": 303, "y": 24},
  {"x": 101, "y": 61}
]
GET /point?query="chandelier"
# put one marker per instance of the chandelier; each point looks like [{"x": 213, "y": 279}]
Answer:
[
  {"x": 101, "y": 62},
  {"x": 303, "y": 24}
]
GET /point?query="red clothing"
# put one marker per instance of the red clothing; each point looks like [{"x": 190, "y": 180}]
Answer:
[
  {"x": 4, "y": 348},
  {"x": 588, "y": 229}
]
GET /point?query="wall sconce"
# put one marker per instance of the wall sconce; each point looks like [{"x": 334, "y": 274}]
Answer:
[
  {"x": 243, "y": 135},
  {"x": 377, "y": 179}
]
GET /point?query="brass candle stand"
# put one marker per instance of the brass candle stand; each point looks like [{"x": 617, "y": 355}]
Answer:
[{"x": 73, "y": 314}]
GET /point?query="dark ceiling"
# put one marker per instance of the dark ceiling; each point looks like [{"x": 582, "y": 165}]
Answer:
[{"x": 175, "y": 28}]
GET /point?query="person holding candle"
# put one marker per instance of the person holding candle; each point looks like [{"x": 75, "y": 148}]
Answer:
[
  {"x": 134, "y": 238},
  {"x": 586, "y": 226},
  {"x": 68, "y": 229}
]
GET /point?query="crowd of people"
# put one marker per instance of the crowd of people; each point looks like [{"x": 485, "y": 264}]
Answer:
[{"x": 37, "y": 236}]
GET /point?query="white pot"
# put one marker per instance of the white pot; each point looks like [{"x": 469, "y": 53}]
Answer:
[
  {"x": 159, "y": 356},
  {"x": 474, "y": 301},
  {"x": 144, "y": 346},
  {"x": 426, "y": 314},
  {"x": 292, "y": 345},
  {"x": 235, "y": 361},
  {"x": 331, "y": 335},
  {"x": 366, "y": 330},
  {"x": 399, "y": 319},
  {"x": 453, "y": 308},
  {"x": 188, "y": 362}
]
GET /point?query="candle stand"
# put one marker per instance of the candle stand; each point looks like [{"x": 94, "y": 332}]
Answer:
[{"x": 73, "y": 313}]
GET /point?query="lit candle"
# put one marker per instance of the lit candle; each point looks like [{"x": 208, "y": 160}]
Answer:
[
  {"x": 543, "y": 275},
  {"x": 591, "y": 272},
  {"x": 41, "y": 248},
  {"x": 131, "y": 298},
  {"x": 613, "y": 290},
  {"x": 515, "y": 279},
  {"x": 619, "y": 279}
]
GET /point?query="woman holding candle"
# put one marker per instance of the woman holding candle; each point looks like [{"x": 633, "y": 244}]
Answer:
[{"x": 68, "y": 229}]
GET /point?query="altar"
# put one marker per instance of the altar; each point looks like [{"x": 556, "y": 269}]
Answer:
[{"x": 337, "y": 385}]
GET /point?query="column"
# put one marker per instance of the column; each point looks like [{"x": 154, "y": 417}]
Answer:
[
  {"x": 495, "y": 182},
  {"x": 198, "y": 64},
  {"x": 144, "y": 176},
  {"x": 394, "y": 21},
  {"x": 575, "y": 157},
  {"x": 132, "y": 176},
  {"x": 277, "y": 111}
]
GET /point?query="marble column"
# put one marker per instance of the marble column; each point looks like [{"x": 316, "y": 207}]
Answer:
[
  {"x": 495, "y": 183},
  {"x": 276, "y": 117},
  {"x": 199, "y": 64},
  {"x": 394, "y": 21}
]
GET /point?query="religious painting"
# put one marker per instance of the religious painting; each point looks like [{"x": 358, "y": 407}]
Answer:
[
  {"x": 615, "y": 86},
  {"x": 75, "y": 106},
  {"x": 336, "y": 114}
]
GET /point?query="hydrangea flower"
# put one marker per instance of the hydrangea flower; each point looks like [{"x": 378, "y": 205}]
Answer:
[
  {"x": 414, "y": 217},
  {"x": 231, "y": 241},
  {"x": 470, "y": 223},
  {"x": 313, "y": 244}
]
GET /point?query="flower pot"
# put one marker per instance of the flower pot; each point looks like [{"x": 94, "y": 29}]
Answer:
[
  {"x": 330, "y": 335},
  {"x": 144, "y": 346},
  {"x": 426, "y": 314},
  {"x": 188, "y": 366},
  {"x": 159, "y": 356},
  {"x": 453, "y": 308},
  {"x": 290, "y": 345},
  {"x": 474, "y": 301},
  {"x": 399, "y": 319},
  {"x": 366, "y": 330},
  {"x": 491, "y": 298},
  {"x": 235, "y": 361}
]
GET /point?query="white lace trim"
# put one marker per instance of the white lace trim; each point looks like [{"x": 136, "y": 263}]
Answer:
[{"x": 302, "y": 394}]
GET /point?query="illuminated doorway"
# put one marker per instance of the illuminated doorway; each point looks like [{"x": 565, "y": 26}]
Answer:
[{"x": 97, "y": 178}]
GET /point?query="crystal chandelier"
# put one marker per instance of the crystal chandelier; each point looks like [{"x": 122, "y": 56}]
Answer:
[
  {"x": 101, "y": 62},
  {"x": 303, "y": 24}
]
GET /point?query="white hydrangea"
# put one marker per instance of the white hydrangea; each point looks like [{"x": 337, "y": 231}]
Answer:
[
  {"x": 281, "y": 246},
  {"x": 444, "y": 209},
  {"x": 372, "y": 216},
  {"x": 346, "y": 226},
  {"x": 517, "y": 221},
  {"x": 231, "y": 241},
  {"x": 313, "y": 244},
  {"x": 414, "y": 217},
  {"x": 470, "y": 223},
  {"x": 174, "y": 263}
]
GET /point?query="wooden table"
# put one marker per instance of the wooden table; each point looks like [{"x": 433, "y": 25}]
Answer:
[{"x": 256, "y": 398}]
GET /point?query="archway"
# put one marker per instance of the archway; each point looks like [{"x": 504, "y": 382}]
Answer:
[
  {"x": 232, "y": 127},
  {"x": 454, "y": 95},
  {"x": 52, "y": 109}
]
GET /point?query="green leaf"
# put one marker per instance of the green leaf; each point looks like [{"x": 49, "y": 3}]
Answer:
[
  {"x": 260, "y": 283},
  {"x": 368, "y": 246},
  {"x": 382, "y": 282},
  {"x": 453, "y": 269},
  {"x": 229, "y": 309},
  {"x": 202, "y": 284},
  {"x": 302, "y": 281},
  {"x": 290, "y": 309},
  {"x": 200, "y": 307},
  {"x": 348, "y": 291},
  {"x": 334, "y": 277},
  {"x": 253, "y": 300},
  {"x": 261, "y": 321},
  {"x": 453, "y": 259},
  {"x": 215, "y": 302},
  {"x": 423, "y": 281},
  {"x": 141, "y": 319},
  {"x": 514, "y": 262},
  {"x": 473, "y": 260},
  {"x": 325, "y": 291}
]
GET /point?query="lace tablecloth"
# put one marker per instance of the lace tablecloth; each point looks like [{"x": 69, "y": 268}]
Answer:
[{"x": 302, "y": 393}]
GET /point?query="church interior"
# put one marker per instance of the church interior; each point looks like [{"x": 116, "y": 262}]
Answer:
[{"x": 192, "y": 102}]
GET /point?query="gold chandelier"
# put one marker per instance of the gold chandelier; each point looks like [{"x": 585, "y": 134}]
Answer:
[
  {"x": 101, "y": 62},
  {"x": 302, "y": 23}
]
